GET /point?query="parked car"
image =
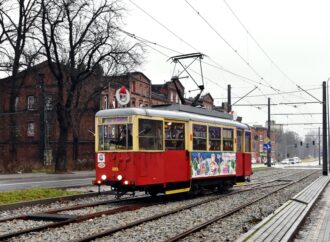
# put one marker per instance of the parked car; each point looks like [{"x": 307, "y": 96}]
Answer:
[
  {"x": 285, "y": 161},
  {"x": 297, "y": 159},
  {"x": 292, "y": 161},
  {"x": 272, "y": 162}
]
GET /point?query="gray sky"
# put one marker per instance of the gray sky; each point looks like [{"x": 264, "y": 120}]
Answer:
[{"x": 294, "y": 34}]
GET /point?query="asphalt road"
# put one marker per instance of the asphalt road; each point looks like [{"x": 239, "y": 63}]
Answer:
[{"x": 14, "y": 182}]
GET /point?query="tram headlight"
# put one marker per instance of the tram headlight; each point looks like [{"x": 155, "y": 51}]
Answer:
[
  {"x": 119, "y": 177},
  {"x": 126, "y": 182},
  {"x": 103, "y": 177}
]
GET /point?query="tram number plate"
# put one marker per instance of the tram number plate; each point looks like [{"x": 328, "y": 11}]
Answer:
[{"x": 115, "y": 168}]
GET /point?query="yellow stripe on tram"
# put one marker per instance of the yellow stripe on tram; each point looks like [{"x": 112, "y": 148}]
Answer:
[
  {"x": 177, "y": 191},
  {"x": 240, "y": 184}
]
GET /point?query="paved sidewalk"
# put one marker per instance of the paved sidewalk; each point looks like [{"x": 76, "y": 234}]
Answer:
[
  {"x": 11, "y": 182},
  {"x": 317, "y": 225},
  {"x": 286, "y": 220},
  {"x": 45, "y": 175}
]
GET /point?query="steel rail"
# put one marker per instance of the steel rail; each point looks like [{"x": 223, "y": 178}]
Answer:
[
  {"x": 227, "y": 214},
  {"x": 75, "y": 207},
  {"x": 158, "y": 216}
]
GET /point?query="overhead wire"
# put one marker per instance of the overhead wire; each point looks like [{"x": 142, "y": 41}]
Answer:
[
  {"x": 260, "y": 47},
  {"x": 217, "y": 65}
]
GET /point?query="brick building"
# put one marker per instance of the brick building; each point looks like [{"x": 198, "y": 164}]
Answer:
[
  {"x": 36, "y": 119},
  {"x": 259, "y": 138}
]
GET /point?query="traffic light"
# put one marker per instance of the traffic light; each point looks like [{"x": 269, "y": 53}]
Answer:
[
  {"x": 300, "y": 143},
  {"x": 313, "y": 142}
]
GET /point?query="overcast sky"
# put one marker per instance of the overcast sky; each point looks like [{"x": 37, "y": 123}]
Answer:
[{"x": 293, "y": 35}]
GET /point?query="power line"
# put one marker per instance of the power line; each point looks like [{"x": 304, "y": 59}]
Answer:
[
  {"x": 257, "y": 43},
  {"x": 262, "y": 49},
  {"x": 221, "y": 68},
  {"x": 287, "y": 124},
  {"x": 231, "y": 47},
  {"x": 218, "y": 66},
  {"x": 274, "y": 94},
  {"x": 286, "y": 114}
]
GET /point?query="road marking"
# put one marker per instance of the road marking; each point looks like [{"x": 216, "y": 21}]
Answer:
[{"x": 20, "y": 183}]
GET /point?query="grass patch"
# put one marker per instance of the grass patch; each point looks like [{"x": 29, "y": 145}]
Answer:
[
  {"x": 259, "y": 168},
  {"x": 32, "y": 194},
  {"x": 43, "y": 170}
]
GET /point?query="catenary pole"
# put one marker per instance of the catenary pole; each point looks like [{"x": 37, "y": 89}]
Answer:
[
  {"x": 328, "y": 121},
  {"x": 269, "y": 151},
  {"x": 324, "y": 135},
  {"x": 319, "y": 146},
  {"x": 229, "y": 99}
]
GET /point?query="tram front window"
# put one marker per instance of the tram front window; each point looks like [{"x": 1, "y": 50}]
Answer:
[
  {"x": 150, "y": 134},
  {"x": 115, "y": 137}
]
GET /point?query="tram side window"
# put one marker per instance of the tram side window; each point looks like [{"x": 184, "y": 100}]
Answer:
[
  {"x": 214, "y": 138},
  {"x": 174, "y": 136},
  {"x": 150, "y": 134},
  {"x": 115, "y": 137},
  {"x": 239, "y": 141},
  {"x": 228, "y": 139},
  {"x": 247, "y": 141},
  {"x": 199, "y": 137}
]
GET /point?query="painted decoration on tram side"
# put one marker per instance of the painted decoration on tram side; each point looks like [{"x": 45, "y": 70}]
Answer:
[{"x": 213, "y": 163}]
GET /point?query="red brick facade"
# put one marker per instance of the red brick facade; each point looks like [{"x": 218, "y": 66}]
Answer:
[
  {"x": 259, "y": 138},
  {"x": 36, "y": 118}
]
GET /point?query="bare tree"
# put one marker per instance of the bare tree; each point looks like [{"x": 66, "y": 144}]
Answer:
[
  {"x": 78, "y": 37},
  {"x": 17, "y": 22}
]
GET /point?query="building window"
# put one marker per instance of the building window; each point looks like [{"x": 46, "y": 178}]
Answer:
[
  {"x": 30, "y": 129},
  {"x": 16, "y": 103},
  {"x": 105, "y": 103},
  {"x": 199, "y": 137},
  {"x": 133, "y": 86},
  {"x": 49, "y": 103},
  {"x": 30, "y": 102},
  {"x": 114, "y": 103}
]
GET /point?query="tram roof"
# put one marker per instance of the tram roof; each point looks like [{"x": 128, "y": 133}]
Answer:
[{"x": 169, "y": 114}]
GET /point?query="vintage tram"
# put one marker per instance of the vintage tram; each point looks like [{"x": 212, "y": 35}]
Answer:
[{"x": 170, "y": 149}]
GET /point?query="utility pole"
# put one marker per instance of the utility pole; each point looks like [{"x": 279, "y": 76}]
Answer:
[
  {"x": 324, "y": 128},
  {"x": 229, "y": 99},
  {"x": 269, "y": 150},
  {"x": 319, "y": 146}
]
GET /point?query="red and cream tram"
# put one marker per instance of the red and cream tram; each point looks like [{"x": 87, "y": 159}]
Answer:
[{"x": 170, "y": 149}]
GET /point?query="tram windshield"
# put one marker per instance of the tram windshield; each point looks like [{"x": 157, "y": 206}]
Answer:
[
  {"x": 115, "y": 137},
  {"x": 150, "y": 134}
]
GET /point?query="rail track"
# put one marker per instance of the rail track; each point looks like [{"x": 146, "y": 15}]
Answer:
[
  {"x": 59, "y": 220},
  {"x": 199, "y": 227}
]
